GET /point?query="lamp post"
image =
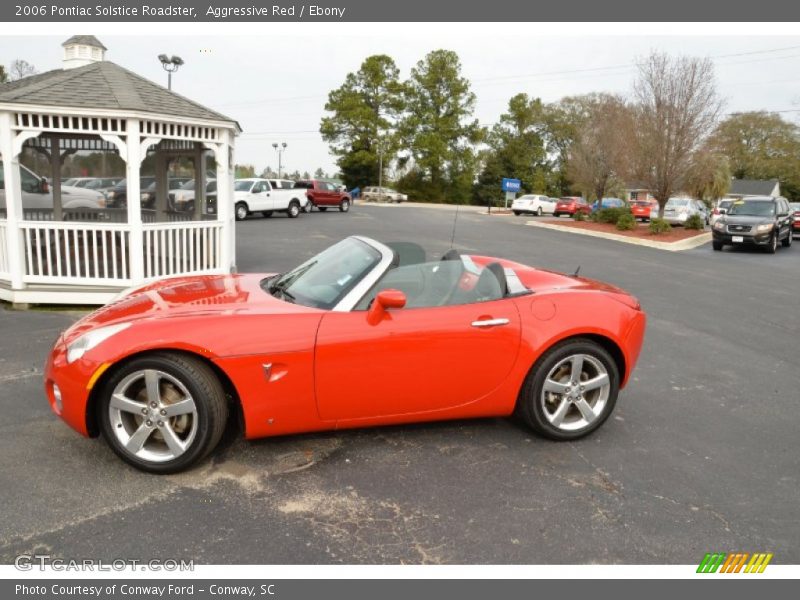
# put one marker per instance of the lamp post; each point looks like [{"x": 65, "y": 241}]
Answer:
[
  {"x": 280, "y": 148},
  {"x": 170, "y": 64},
  {"x": 379, "y": 145}
]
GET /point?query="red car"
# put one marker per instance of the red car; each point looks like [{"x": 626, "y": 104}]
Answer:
[
  {"x": 644, "y": 209},
  {"x": 324, "y": 195},
  {"x": 795, "y": 208},
  {"x": 569, "y": 205},
  {"x": 362, "y": 334}
]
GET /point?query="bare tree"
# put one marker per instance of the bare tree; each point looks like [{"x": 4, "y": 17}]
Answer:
[
  {"x": 677, "y": 107},
  {"x": 599, "y": 157},
  {"x": 20, "y": 68}
]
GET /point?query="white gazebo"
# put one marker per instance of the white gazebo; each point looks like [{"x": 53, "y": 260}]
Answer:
[{"x": 57, "y": 255}]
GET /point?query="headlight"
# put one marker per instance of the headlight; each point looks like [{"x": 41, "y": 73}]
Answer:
[
  {"x": 720, "y": 224},
  {"x": 92, "y": 338},
  {"x": 111, "y": 194},
  {"x": 764, "y": 227}
]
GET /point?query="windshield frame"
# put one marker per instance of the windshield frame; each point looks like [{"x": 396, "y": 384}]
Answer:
[{"x": 348, "y": 302}]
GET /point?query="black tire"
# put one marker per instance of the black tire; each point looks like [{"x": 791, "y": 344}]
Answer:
[
  {"x": 539, "y": 212},
  {"x": 241, "y": 211},
  {"x": 772, "y": 246},
  {"x": 294, "y": 209},
  {"x": 787, "y": 242},
  {"x": 717, "y": 246},
  {"x": 266, "y": 214},
  {"x": 556, "y": 214},
  {"x": 307, "y": 208},
  {"x": 344, "y": 205},
  {"x": 207, "y": 393},
  {"x": 322, "y": 208},
  {"x": 190, "y": 207},
  {"x": 531, "y": 409},
  {"x": 517, "y": 213}
]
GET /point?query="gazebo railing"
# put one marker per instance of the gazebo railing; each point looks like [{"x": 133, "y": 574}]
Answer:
[
  {"x": 76, "y": 253},
  {"x": 4, "y": 262},
  {"x": 104, "y": 215}
]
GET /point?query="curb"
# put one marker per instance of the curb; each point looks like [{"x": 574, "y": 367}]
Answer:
[{"x": 686, "y": 244}]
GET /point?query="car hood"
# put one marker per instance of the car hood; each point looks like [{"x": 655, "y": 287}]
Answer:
[
  {"x": 746, "y": 220},
  {"x": 188, "y": 296}
]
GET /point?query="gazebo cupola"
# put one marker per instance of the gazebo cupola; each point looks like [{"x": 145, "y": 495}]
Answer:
[
  {"x": 107, "y": 181},
  {"x": 81, "y": 50}
]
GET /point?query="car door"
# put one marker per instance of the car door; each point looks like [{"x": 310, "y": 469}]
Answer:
[{"x": 416, "y": 360}]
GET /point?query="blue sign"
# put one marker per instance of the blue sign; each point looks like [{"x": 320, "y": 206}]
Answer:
[{"x": 511, "y": 185}]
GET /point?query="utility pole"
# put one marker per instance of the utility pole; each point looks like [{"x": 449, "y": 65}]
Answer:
[
  {"x": 170, "y": 64},
  {"x": 280, "y": 149}
]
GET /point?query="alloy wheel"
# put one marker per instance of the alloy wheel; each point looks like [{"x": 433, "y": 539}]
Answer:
[{"x": 575, "y": 392}]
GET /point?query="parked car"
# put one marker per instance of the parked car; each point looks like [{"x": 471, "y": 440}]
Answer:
[
  {"x": 324, "y": 195},
  {"x": 720, "y": 209},
  {"x": 794, "y": 208},
  {"x": 383, "y": 194},
  {"x": 148, "y": 194},
  {"x": 117, "y": 197},
  {"x": 570, "y": 205},
  {"x": 281, "y": 184},
  {"x": 257, "y": 195},
  {"x": 37, "y": 194},
  {"x": 678, "y": 210},
  {"x": 608, "y": 203},
  {"x": 533, "y": 204},
  {"x": 644, "y": 210},
  {"x": 461, "y": 337},
  {"x": 182, "y": 199},
  {"x": 755, "y": 221}
]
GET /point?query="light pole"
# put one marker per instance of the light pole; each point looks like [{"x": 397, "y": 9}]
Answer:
[
  {"x": 280, "y": 148},
  {"x": 170, "y": 64},
  {"x": 379, "y": 144}
]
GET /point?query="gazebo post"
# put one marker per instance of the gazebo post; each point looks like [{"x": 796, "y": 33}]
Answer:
[
  {"x": 13, "y": 185},
  {"x": 133, "y": 165},
  {"x": 162, "y": 185},
  {"x": 199, "y": 181},
  {"x": 55, "y": 163},
  {"x": 225, "y": 201}
]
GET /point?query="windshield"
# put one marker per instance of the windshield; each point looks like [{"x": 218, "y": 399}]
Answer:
[
  {"x": 752, "y": 208},
  {"x": 794, "y": 205},
  {"x": 678, "y": 202},
  {"x": 189, "y": 185},
  {"x": 243, "y": 185},
  {"x": 324, "y": 280}
]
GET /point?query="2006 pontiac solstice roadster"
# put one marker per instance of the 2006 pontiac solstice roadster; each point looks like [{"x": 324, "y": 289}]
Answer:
[{"x": 362, "y": 334}]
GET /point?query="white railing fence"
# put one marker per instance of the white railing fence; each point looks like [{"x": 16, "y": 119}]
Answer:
[
  {"x": 181, "y": 248},
  {"x": 97, "y": 254}
]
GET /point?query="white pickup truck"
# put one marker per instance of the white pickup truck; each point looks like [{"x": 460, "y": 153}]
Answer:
[{"x": 258, "y": 195}]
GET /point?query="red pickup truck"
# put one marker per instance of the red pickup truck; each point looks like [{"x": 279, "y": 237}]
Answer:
[{"x": 323, "y": 194}]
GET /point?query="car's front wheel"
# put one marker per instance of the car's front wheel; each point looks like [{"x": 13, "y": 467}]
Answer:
[
  {"x": 787, "y": 242},
  {"x": 241, "y": 211},
  {"x": 717, "y": 246},
  {"x": 307, "y": 207},
  {"x": 344, "y": 205},
  {"x": 570, "y": 391},
  {"x": 539, "y": 212},
  {"x": 163, "y": 413},
  {"x": 294, "y": 210},
  {"x": 772, "y": 246}
]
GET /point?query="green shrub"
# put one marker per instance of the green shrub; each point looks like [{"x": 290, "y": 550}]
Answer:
[
  {"x": 626, "y": 222},
  {"x": 695, "y": 222},
  {"x": 659, "y": 226},
  {"x": 611, "y": 215},
  {"x": 579, "y": 215}
]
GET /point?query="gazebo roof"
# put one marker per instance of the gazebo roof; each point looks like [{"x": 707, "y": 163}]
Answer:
[
  {"x": 104, "y": 85},
  {"x": 85, "y": 40}
]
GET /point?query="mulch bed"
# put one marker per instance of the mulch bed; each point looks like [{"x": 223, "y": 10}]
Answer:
[{"x": 676, "y": 234}]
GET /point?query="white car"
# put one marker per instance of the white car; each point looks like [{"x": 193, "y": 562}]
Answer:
[
  {"x": 258, "y": 195},
  {"x": 382, "y": 194},
  {"x": 533, "y": 204},
  {"x": 720, "y": 209},
  {"x": 38, "y": 195},
  {"x": 678, "y": 210},
  {"x": 182, "y": 199}
]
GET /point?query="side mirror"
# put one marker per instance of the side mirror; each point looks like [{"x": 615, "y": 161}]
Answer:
[{"x": 385, "y": 300}]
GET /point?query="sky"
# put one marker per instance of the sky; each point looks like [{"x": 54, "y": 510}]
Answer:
[{"x": 276, "y": 86}]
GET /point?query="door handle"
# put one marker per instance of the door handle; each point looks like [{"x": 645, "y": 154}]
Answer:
[{"x": 490, "y": 323}]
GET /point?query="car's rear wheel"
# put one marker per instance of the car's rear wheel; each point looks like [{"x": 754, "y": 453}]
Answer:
[
  {"x": 716, "y": 246},
  {"x": 344, "y": 205},
  {"x": 241, "y": 211},
  {"x": 163, "y": 413},
  {"x": 539, "y": 212},
  {"x": 571, "y": 390},
  {"x": 294, "y": 209},
  {"x": 266, "y": 214},
  {"x": 322, "y": 208},
  {"x": 787, "y": 242}
]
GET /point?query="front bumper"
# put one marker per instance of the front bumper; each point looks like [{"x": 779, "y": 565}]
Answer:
[
  {"x": 72, "y": 380},
  {"x": 748, "y": 239}
]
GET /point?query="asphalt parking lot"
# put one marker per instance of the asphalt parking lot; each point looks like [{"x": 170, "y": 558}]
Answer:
[{"x": 700, "y": 455}]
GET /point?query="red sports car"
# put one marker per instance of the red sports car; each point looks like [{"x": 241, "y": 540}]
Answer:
[{"x": 362, "y": 334}]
